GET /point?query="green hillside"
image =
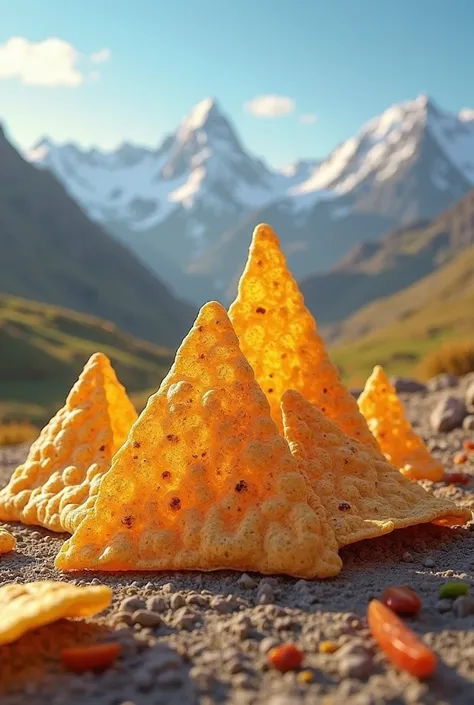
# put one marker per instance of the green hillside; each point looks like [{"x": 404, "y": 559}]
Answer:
[
  {"x": 43, "y": 349},
  {"x": 399, "y": 330}
]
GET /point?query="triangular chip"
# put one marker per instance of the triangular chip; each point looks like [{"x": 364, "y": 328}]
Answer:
[
  {"x": 278, "y": 336},
  {"x": 204, "y": 480},
  {"x": 25, "y": 607},
  {"x": 7, "y": 541},
  {"x": 385, "y": 416},
  {"x": 60, "y": 477},
  {"x": 364, "y": 496}
]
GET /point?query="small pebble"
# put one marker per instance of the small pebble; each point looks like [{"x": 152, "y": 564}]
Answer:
[
  {"x": 132, "y": 604},
  {"x": 146, "y": 618},
  {"x": 444, "y": 606},
  {"x": 357, "y": 665},
  {"x": 407, "y": 557},
  {"x": 201, "y": 677},
  {"x": 177, "y": 601},
  {"x": 157, "y": 604},
  {"x": 268, "y": 643},
  {"x": 429, "y": 563},
  {"x": 247, "y": 582},
  {"x": 169, "y": 678},
  {"x": 463, "y": 606}
]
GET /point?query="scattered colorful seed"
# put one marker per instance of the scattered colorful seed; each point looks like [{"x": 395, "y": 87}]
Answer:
[
  {"x": 401, "y": 646},
  {"x": 452, "y": 590},
  {"x": 328, "y": 647},
  {"x": 286, "y": 657},
  {"x": 468, "y": 445},
  {"x": 460, "y": 458},
  {"x": 401, "y": 599},
  {"x": 90, "y": 658},
  {"x": 305, "y": 676},
  {"x": 456, "y": 478}
]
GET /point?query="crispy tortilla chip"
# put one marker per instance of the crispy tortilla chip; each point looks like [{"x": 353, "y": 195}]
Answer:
[
  {"x": 204, "y": 480},
  {"x": 278, "y": 336},
  {"x": 25, "y": 607},
  {"x": 60, "y": 478},
  {"x": 385, "y": 416},
  {"x": 7, "y": 541},
  {"x": 364, "y": 496}
]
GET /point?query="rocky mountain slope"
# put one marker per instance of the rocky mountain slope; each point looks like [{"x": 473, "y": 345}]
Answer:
[
  {"x": 189, "y": 206},
  {"x": 52, "y": 252}
]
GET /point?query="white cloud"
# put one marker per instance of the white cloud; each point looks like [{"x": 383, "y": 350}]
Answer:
[
  {"x": 308, "y": 119},
  {"x": 466, "y": 114},
  {"x": 269, "y": 106},
  {"x": 100, "y": 56},
  {"x": 50, "y": 62}
]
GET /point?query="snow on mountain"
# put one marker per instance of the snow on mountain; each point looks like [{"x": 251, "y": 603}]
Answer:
[{"x": 188, "y": 206}]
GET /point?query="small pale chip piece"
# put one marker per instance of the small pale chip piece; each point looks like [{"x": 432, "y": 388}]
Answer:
[
  {"x": 205, "y": 481},
  {"x": 7, "y": 541},
  {"x": 385, "y": 416},
  {"x": 279, "y": 337},
  {"x": 364, "y": 496},
  {"x": 27, "y": 606},
  {"x": 59, "y": 480}
]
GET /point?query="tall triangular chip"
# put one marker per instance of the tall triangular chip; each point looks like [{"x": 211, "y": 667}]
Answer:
[
  {"x": 58, "y": 482},
  {"x": 385, "y": 416},
  {"x": 364, "y": 496},
  {"x": 278, "y": 336},
  {"x": 204, "y": 480}
]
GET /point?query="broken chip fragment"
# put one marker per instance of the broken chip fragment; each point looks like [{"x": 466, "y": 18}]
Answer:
[
  {"x": 364, "y": 496},
  {"x": 385, "y": 416},
  {"x": 57, "y": 483},
  {"x": 204, "y": 480},
  {"x": 7, "y": 541},
  {"x": 27, "y": 606},
  {"x": 279, "y": 337}
]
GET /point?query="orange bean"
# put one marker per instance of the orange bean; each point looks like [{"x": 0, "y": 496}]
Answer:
[
  {"x": 90, "y": 658},
  {"x": 401, "y": 646},
  {"x": 286, "y": 657}
]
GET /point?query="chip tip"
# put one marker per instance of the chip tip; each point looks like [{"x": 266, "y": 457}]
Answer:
[{"x": 264, "y": 231}]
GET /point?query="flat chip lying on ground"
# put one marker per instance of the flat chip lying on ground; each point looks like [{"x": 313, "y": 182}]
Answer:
[
  {"x": 25, "y": 607},
  {"x": 7, "y": 541},
  {"x": 385, "y": 416},
  {"x": 204, "y": 480},
  {"x": 59, "y": 479},
  {"x": 364, "y": 496},
  {"x": 278, "y": 336}
]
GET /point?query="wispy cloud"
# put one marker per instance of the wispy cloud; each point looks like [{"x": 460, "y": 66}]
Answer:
[
  {"x": 270, "y": 106},
  {"x": 308, "y": 119},
  {"x": 467, "y": 114},
  {"x": 50, "y": 62},
  {"x": 99, "y": 57}
]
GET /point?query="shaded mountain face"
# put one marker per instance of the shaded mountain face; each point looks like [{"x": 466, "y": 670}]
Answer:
[
  {"x": 52, "y": 252},
  {"x": 189, "y": 207}
]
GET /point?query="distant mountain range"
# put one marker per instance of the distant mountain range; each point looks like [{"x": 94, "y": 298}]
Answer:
[
  {"x": 52, "y": 252},
  {"x": 188, "y": 207}
]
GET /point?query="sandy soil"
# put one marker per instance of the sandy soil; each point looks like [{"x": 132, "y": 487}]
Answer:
[{"x": 203, "y": 638}]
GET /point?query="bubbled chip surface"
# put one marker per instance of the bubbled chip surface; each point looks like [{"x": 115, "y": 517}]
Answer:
[
  {"x": 59, "y": 480},
  {"x": 385, "y": 416},
  {"x": 27, "y": 606},
  {"x": 278, "y": 336},
  {"x": 7, "y": 541},
  {"x": 204, "y": 480},
  {"x": 364, "y": 496}
]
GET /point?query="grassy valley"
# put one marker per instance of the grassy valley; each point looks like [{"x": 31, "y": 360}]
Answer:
[{"x": 43, "y": 349}]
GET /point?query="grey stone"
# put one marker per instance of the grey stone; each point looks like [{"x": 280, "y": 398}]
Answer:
[
  {"x": 468, "y": 423},
  {"x": 463, "y": 606},
  {"x": 407, "y": 385},
  {"x": 246, "y": 581},
  {"x": 268, "y": 643},
  {"x": 444, "y": 605},
  {"x": 357, "y": 665},
  {"x": 177, "y": 601},
  {"x": 407, "y": 557},
  {"x": 429, "y": 563},
  {"x": 448, "y": 414},
  {"x": 146, "y": 618},
  {"x": 201, "y": 677},
  {"x": 157, "y": 604},
  {"x": 132, "y": 604}
]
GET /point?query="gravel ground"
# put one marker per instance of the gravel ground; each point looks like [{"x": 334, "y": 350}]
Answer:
[{"x": 203, "y": 638}]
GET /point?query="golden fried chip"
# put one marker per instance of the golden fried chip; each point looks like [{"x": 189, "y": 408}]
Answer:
[
  {"x": 59, "y": 480},
  {"x": 7, "y": 541},
  {"x": 278, "y": 336},
  {"x": 27, "y": 606},
  {"x": 204, "y": 480},
  {"x": 385, "y": 416},
  {"x": 364, "y": 496}
]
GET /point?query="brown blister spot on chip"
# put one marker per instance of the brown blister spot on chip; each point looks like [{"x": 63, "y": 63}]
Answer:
[
  {"x": 385, "y": 416},
  {"x": 343, "y": 472},
  {"x": 285, "y": 342},
  {"x": 206, "y": 520},
  {"x": 59, "y": 480}
]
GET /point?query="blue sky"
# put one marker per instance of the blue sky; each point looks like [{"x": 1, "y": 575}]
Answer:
[{"x": 342, "y": 60}]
